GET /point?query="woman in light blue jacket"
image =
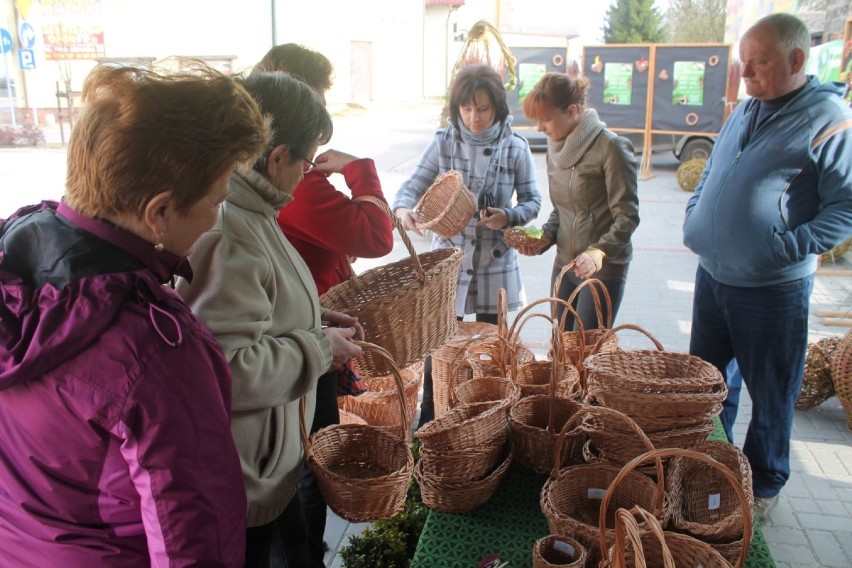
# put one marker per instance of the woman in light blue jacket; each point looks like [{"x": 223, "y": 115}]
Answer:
[{"x": 497, "y": 166}]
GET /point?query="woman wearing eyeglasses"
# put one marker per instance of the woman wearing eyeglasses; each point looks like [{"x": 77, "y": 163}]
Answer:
[{"x": 257, "y": 296}]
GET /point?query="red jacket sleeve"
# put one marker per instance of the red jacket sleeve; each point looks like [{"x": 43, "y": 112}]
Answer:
[{"x": 326, "y": 218}]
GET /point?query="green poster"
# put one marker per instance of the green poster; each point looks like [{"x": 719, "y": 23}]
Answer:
[
  {"x": 618, "y": 83},
  {"x": 528, "y": 75},
  {"x": 825, "y": 61},
  {"x": 688, "y": 86}
]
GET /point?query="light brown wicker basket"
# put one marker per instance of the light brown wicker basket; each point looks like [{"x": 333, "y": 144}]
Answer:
[
  {"x": 347, "y": 417},
  {"x": 493, "y": 390},
  {"x": 495, "y": 357},
  {"x": 649, "y": 545},
  {"x": 379, "y": 405},
  {"x": 448, "y": 364},
  {"x": 701, "y": 501},
  {"x": 657, "y": 455},
  {"x": 363, "y": 471},
  {"x": 407, "y": 307},
  {"x": 460, "y": 466},
  {"x": 841, "y": 374},
  {"x": 461, "y": 497},
  {"x": 555, "y": 551},
  {"x": 446, "y": 207},
  {"x": 817, "y": 384},
  {"x": 466, "y": 427},
  {"x": 571, "y": 497}
]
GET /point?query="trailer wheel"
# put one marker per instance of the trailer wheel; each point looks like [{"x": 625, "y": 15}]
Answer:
[{"x": 696, "y": 149}]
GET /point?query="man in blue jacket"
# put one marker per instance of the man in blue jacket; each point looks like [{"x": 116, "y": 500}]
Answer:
[{"x": 776, "y": 192}]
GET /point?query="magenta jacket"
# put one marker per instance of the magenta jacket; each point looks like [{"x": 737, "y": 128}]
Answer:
[{"x": 115, "y": 440}]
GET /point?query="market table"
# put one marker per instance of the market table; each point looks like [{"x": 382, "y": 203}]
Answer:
[{"x": 510, "y": 523}]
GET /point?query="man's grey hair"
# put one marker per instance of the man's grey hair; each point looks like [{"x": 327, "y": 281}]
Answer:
[{"x": 792, "y": 32}]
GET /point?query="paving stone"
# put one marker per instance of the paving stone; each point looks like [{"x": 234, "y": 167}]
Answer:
[
  {"x": 830, "y": 463},
  {"x": 836, "y": 508},
  {"x": 801, "y": 504},
  {"x": 827, "y": 549},
  {"x": 793, "y": 554},
  {"x": 821, "y": 522},
  {"x": 785, "y": 534}
]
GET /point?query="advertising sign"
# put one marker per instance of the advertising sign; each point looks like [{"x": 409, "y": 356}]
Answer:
[{"x": 72, "y": 29}]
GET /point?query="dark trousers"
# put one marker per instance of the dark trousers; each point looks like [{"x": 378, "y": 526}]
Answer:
[
  {"x": 281, "y": 543},
  {"x": 314, "y": 506},
  {"x": 584, "y": 304},
  {"x": 766, "y": 330},
  {"x": 427, "y": 404}
]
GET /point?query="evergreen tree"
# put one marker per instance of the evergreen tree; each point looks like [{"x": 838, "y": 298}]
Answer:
[
  {"x": 696, "y": 21},
  {"x": 633, "y": 21}
]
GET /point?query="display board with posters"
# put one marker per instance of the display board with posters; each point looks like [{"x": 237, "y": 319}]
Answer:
[
  {"x": 618, "y": 84},
  {"x": 531, "y": 63}
]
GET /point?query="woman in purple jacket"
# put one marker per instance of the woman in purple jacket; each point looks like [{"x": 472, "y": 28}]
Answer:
[{"x": 115, "y": 440}]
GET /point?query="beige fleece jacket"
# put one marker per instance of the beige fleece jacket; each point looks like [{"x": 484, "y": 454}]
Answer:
[{"x": 257, "y": 296}]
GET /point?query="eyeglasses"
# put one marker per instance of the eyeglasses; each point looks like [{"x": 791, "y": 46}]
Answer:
[{"x": 308, "y": 166}]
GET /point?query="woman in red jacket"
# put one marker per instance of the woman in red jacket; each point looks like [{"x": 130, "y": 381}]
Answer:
[{"x": 328, "y": 227}]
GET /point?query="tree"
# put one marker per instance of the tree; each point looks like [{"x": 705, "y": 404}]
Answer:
[
  {"x": 633, "y": 21},
  {"x": 696, "y": 21}
]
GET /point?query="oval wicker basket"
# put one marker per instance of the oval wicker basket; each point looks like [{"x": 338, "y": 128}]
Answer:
[
  {"x": 446, "y": 207},
  {"x": 516, "y": 238},
  {"x": 555, "y": 551},
  {"x": 363, "y": 471},
  {"x": 379, "y": 405},
  {"x": 493, "y": 390},
  {"x": 466, "y": 427},
  {"x": 841, "y": 374},
  {"x": 407, "y": 307}
]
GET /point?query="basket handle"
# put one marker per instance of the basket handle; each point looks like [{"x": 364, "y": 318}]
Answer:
[
  {"x": 553, "y": 301},
  {"x": 657, "y": 455},
  {"x": 502, "y": 313},
  {"x": 610, "y": 332},
  {"x": 418, "y": 268},
  {"x": 625, "y": 522},
  {"x": 456, "y": 363},
  {"x": 400, "y": 389},
  {"x": 595, "y": 286}
]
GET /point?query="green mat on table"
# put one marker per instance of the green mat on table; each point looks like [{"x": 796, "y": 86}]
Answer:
[{"x": 510, "y": 523}]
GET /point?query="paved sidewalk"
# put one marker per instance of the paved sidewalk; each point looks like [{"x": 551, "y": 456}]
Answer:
[{"x": 811, "y": 525}]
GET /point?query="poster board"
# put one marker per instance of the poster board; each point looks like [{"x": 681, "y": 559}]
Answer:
[
  {"x": 846, "y": 65},
  {"x": 530, "y": 64},
  {"x": 658, "y": 88}
]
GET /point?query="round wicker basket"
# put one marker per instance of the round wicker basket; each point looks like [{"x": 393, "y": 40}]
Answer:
[
  {"x": 446, "y": 207},
  {"x": 817, "y": 384},
  {"x": 689, "y": 173}
]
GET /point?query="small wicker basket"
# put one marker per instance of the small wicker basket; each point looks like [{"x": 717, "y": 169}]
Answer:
[
  {"x": 379, "y": 406},
  {"x": 516, "y": 238},
  {"x": 555, "y": 551},
  {"x": 446, "y": 207},
  {"x": 363, "y": 471}
]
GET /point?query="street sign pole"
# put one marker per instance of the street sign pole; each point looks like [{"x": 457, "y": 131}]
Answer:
[{"x": 6, "y": 49}]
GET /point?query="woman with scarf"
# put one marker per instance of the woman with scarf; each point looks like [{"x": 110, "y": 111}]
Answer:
[
  {"x": 592, "y": 177},
  {"x": 496, "y": 165}
]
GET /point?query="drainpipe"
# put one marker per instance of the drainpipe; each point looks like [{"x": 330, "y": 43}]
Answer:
[{"x": 274, "y": 23}]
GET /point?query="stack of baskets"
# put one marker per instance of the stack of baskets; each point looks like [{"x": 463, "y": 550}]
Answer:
[
  {"x": 379, "y": 405},
  {"x": 674, "y": 397},
  {"x": 464, "y": 456}
]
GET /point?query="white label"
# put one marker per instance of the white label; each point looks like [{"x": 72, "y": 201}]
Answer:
[
  {"x": 562, "y": 546},
  {"x": 594, "y": 493},
  {"x": 714, "y": 501}
]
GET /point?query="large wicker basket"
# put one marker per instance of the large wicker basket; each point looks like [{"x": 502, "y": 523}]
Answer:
[
  {"x": 379, "y": 406},
  {"x": 363, "y": 471},
  {"x": 446, "y": 207},
  {"x": 841, "y": 374},
  {"x": 407, "y": 307},
  {"x": 686, "y": 559}
]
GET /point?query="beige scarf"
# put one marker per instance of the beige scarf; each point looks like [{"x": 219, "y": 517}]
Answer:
[{"x": 566, "y": 153}]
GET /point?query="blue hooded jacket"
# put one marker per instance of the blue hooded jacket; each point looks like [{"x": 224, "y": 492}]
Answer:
[{"x": 768, "y": 204}]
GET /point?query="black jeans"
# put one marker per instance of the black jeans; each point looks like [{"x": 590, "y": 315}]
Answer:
[
  {"x": 584, "y": 304},
  {"x": 281, "y": 543},
  {"x": 427, "y": 404},
  {"x": 314, "y": 506}
]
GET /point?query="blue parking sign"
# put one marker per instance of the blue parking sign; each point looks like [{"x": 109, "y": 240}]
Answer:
[
  {"x": 5, "y": 40},
  {"x": 26, "y": 59}
]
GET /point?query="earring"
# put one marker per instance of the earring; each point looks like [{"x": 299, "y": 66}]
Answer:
[{"x": 159, "y": 247}]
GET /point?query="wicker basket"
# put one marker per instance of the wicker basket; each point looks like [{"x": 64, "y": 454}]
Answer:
[
  {"x": 614, "y": 437},
  {"x": 446, "y": 207},
  {"x": 347, "y": 417},
  {"x": 407, "y": 307},
  {"x": 554, "y": 551},
  {"x": 494, "y": 390},
  {"x": 495, "y": 357},
  {"x": 379, "y": 405},
  {"x": 516, "y": 238},
  {"x": 745, "y": 509},
  {"x": 466, "y": 427},
  {"x": 817, "y": 384},
  {"x": 688, "y": 174},
  {"x": 460, "y": 466},
  {"x": 460, "y": 497},
  {"x": 841, "y": 374},
  {"x": 578, "y": 344},
  {"x": 649, "y": 545},
  {"x": 448, "y": 365},
  {"x": 701, "y": 501},
  {"x": 363, "y": 471}
]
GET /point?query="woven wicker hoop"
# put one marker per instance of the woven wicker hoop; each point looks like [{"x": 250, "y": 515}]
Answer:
[
  {"x": 407, "y": 307},
  {"x": 446, "y": 207},
  {"x": 363, "y": 471}
]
